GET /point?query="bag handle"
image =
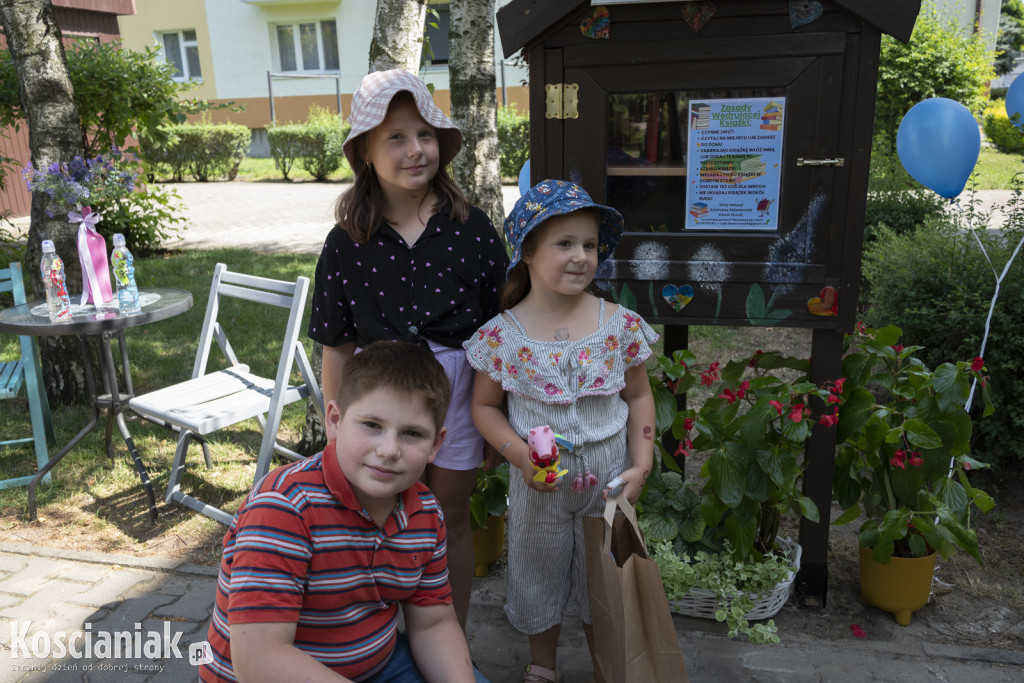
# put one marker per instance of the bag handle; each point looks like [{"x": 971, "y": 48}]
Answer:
[{"x": 619, "y": 502}]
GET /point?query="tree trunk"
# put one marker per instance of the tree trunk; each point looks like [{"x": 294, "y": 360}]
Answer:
[
  {"x": 398, "y": 35},
  {"x": 34, "y": 40},
  {"x": 474, "y": 104},
  {"x": 397, "y": 44}
]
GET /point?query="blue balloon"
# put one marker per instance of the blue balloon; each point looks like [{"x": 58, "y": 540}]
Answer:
[
  {"x": 1015, "y": 101},
  {"x": 524, "y": 178},
  {"x": 938, "y": 143}
]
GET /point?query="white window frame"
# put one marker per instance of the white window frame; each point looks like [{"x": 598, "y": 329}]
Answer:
[
  {"x": 183, "y": 46},
  {"x": 300, "y": 66}
]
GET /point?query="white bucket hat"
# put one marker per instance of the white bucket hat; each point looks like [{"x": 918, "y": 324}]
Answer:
[{"x": 370, "y": 105}]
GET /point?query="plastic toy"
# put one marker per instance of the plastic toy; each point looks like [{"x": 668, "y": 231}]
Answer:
[{"x": 544, "y": 443}]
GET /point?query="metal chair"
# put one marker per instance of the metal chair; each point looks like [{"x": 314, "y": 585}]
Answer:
[
  {"x": 25, "y": 370},
  {"x": 213, "y": 400}
]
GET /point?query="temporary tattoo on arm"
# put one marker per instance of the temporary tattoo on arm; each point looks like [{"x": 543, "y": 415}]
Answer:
[
  {"x": 504, "y": 447},
  {"x": 562, "y": 333},
  {"x": 647, "y": 433}
]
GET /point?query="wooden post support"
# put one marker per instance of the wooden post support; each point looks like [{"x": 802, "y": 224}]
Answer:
[{"x": 812, "y": 580}]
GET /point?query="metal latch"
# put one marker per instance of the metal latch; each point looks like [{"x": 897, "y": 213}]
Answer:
[
  {"x": 561, "y": 100},
  {"x": 820, "y": 162}
]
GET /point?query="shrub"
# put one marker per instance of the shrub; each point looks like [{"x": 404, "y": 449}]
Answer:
[
  {"x": 894, "y": 198},
  {"x": 321, "y": 152},
  {"x": 939, "y": 61},
  {"x": 1000, "y": 131},
  {"x": 936, "y": 285},
  {"x": 204, "y": 150},
  {"x": 286, "y": 144},
  {"x": 146, "y": 217},
  {"x": 513, "y": 140}
]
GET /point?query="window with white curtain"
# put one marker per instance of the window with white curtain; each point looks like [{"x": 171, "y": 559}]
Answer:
[
  {"x": 181, "y": 51},
  {"x": 307, "y": 46}
]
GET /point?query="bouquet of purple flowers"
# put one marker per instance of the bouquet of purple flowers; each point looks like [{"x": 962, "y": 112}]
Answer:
[{"x": 84, "y": 181}]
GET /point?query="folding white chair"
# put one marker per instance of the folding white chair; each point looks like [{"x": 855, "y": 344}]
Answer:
[
  {"x": 25, "y": 371},
  {"x": 214, "y": 400}
]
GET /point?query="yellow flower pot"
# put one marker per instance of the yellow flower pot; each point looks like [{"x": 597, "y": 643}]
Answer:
[
  {"x": 902, "y": 586},
  {"x": 488, "y": 544}
]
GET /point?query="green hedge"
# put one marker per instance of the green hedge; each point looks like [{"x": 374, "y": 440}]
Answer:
[
  {"x": 315, "y": 145},
  {"x": 513, "y": 140},
  {"x": 1001, "y": 132},
  {"x": 204, "y": 151},
  {"x": 935, "y": 284}
]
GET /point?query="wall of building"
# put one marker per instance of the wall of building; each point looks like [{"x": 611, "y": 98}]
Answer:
[{"x": 141, "y": 30}]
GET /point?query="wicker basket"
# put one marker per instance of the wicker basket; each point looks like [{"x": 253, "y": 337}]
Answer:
[{"x": 702, "y": 603}]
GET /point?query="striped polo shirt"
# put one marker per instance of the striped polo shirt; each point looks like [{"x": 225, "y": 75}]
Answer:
[{"x": 302, "y": 549}]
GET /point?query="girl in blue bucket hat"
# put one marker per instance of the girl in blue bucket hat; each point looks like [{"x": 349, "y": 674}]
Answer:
[{"x": 564, "y": 358}]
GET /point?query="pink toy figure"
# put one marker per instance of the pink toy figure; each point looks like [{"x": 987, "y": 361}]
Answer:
[{"x": 544, "y": 454}]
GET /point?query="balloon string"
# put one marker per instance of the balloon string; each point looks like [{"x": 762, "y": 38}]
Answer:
[{"x": 991, "y": 310}]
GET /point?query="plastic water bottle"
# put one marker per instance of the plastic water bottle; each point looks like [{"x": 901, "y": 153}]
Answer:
[
  {"x": 58, "y": 303},
  {"x": 123, "y": 265}
]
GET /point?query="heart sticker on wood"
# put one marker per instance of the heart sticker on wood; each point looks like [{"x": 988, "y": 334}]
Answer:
[
  {"x": 698, "y": 14},
  {"x": 677, "y": 296},
  {"x": 803, "y": 12},
  {"x": 598, "y": 25},
  {"x": 826, "y": 304}
]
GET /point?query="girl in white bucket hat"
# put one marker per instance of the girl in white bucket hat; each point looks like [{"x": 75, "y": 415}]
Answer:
[{"x": 410, "y": 259}]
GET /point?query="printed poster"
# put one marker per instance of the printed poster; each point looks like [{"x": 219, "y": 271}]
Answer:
[{"x": 733, "y": 163}]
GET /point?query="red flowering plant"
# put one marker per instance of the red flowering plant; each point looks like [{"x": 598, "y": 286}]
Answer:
[
  {"x": 754, "y": 427},
  {"x": 904, "y": 451}
]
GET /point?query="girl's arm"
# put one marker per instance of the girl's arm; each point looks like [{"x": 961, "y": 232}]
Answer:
[
  {"x": 492, "y": 423},
  {"x": 639, "y": 430},
  {"x": 330, "y": 371}
]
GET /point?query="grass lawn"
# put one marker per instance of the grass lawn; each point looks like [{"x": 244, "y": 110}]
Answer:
[
  {"x": 253, "y": 169},
  {"x": 995, "y": 169}
]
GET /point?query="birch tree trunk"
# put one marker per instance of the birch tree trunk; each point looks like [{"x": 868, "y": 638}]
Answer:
[
  {"x": 54, "y": 129},
  {"x": 397, "y": 44},
  {"x": 474, "y": 104},
  {"x": 398, "y": 35}
]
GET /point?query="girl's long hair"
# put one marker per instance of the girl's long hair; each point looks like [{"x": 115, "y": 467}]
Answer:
[{"x": 360, "y": 210}]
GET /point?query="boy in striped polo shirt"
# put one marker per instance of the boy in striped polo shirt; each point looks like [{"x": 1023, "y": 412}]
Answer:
[{"x": 323, "y": 551}]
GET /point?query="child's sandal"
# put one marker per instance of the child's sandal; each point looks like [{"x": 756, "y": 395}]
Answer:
[{"x": 538, "y": 674}]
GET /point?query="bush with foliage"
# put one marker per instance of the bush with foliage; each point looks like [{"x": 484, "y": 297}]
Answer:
[
  {"x": 315, "y": 145},
  {"x": 1000, "y": 130},
  {"x": 205, "y": 151},
  {"x": 146, "y": 217},
  {"x": 118, "y": 93},
  {"x": 513, "y": 140},
  {"x": 894, "y": 198},
  {"x": 325, "y": 133},
  {"x": 936, "y": 285},
  {"x": 1010, "y": 40},
  {"x": 938, "y": 61}
]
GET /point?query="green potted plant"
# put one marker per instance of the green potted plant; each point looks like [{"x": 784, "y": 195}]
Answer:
[
  {"x": 487, "y": 506},
  {"x": 904, "y": 455},
  {"x": 754, "y": 429}
]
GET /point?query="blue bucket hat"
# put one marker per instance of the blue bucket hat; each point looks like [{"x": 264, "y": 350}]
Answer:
[{"x": 550, "y": 198}]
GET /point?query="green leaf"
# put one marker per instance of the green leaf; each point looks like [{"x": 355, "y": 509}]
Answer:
[
  {"x": 728, "y": 469},
  {"x": 921, "y": 435},
  {"x": 848, "y": 516},
  {"x": 664, "y": 409},
  {"x": 626, "y": 297},
  {"x": 756, "y": 421},
  {"x": 951, "y": 387},
  {"x": 810, "y": 510},
  {"x": 854, "y": 412}
]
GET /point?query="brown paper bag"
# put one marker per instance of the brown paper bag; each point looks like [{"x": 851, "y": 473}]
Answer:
[{"x": 634, "y": 638}]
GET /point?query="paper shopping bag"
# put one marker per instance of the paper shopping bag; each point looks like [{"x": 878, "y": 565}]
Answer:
[{"x": 634, "y": 637}]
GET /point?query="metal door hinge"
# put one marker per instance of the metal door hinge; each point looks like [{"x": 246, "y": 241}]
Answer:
[
  {"x": 820, "y": 162},
  {"x": 561, "y": 100}
]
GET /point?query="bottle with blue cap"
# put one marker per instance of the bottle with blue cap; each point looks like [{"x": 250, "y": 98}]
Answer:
[{"x": 123, "y": 265}]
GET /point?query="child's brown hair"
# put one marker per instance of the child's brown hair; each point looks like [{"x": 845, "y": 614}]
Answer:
[{"x": 402, "y": 367}]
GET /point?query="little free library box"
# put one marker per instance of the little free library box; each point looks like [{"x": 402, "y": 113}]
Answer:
[{"x": 735, "y": 138}]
